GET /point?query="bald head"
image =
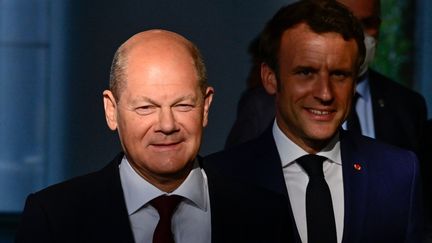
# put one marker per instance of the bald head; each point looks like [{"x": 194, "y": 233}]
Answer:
[
  {"x": 368, "y": 12},
  {"x": 153, "y": 46}
]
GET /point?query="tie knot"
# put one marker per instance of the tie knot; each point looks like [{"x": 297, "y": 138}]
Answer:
[
  {"x": 312, "y": 164},
  {"x": 165, "y": 205}
]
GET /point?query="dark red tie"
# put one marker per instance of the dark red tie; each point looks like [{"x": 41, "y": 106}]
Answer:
[
  {"x": 321, "y": 226},
  {"x": 165, "y": 205}
]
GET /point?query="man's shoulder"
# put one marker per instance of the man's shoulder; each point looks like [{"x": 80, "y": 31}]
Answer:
[
  {"x": 83, "y": 186},
  {"x": 252, "y": 205},
  {"x": 386, "y": 86},
  {"x": 241, "y": 152},
  {"x": 378, "y": 152},
  {"x": 88, "y": 208},
  {"x": 249, "y": 160}
]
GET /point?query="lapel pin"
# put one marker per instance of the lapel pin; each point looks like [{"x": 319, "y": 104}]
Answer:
[
  {"x": 357, "y": 167},
  {"x": 381, "y": 103}
]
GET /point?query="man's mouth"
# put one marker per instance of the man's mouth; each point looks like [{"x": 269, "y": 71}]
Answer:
[
  {"x": 323, "y": 115},
  {"x": 319, "y": 112},
  {"x": 166, "y": 145}
]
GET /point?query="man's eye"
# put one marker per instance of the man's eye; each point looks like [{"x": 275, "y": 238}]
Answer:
[
  {"x": 145, "y": 110},
  {"x": 304, "y": 72},
  {"x": 340, "y": 75},
  {"x": 184, "y": 107}
]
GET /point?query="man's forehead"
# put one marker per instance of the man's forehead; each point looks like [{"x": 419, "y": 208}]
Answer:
[
  {"x": 155, "y": 97},
  {"x": 163, "y": 64},
  {"x": 154, "y": 37},
  {"x": 305, "y": 47},
  {"x": 162, "y": 94},
  {"x": 301, "y": 32},
  {"x": 158, "y": 45}
]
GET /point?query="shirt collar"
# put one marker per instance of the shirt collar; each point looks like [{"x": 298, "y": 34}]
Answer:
[
  {"x": 289, "y": 151},
  {"x": 138, "y": 192},
  {"x": 362, "y": 87}
]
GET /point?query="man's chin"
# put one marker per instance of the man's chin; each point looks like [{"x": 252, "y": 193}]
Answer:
[
  {"x": 170, "y": 165},
  {"x": 322, "y": 134}
]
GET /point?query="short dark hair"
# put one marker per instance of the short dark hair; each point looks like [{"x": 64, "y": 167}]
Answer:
[{"x": 322, "y": 16}]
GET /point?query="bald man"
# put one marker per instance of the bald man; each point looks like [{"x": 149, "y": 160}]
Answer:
[{"x": 158, "y": 102}]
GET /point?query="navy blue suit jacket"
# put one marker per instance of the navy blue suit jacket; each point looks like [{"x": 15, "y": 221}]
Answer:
[
  {"x": 382, "y": 200},
  {"x": 92, "y": 208}
]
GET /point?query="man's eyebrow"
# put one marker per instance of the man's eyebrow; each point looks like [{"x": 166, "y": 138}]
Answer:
[
  {"x": 304, "y": 67},
  {"x": 142, "y": 99},
  {"x": 342, "y": 70},
  {"x": 186, "y": 97},
  {"x": 149, "y": 100}
]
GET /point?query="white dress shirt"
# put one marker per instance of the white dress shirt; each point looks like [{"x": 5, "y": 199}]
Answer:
[
  {"x": 191, "y": 222},
  {"x": 364, "y": 108},
  {"x": 296, "y": 179}
]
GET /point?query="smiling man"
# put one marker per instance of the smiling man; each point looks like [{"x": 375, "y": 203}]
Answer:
[
  {"x": 341, "y": 186},
  {"x": 156, "y": 190},
  {"x": 313, "y": 85},
  {"x": 161, "y": 109}
]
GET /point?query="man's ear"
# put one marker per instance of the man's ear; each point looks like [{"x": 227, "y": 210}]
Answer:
[
  {"x": 110, "y": 107},
  {"x": 268, "y": 79},
  {"x": 208, "y": 97}
]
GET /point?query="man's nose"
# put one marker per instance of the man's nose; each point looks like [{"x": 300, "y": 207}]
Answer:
[
  {"x": 167, "y": 121},
  {"x": 323, "y": 89}
]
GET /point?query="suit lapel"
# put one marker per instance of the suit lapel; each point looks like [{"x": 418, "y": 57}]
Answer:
[
  {"x": 270, "y": 172},
  {"x": 115, "y": 218},
  {"x": 267, "y": 164},
  {"x": 382, "y": 119},
  {"x": 355, "y": 178},
  {"x": 244, "y": 212}
]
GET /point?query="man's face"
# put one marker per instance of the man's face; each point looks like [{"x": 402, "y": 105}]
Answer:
[
  {"x": 367, "y": 12},
  {"x": 315, "y": 86},
  {"x": 161, "y": 113}
]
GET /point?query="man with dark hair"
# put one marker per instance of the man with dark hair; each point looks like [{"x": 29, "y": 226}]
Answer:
[
  {"x": 381, "y": 112},
  {"x": 341, "y": 186}
]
